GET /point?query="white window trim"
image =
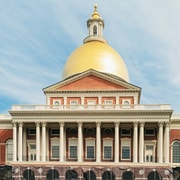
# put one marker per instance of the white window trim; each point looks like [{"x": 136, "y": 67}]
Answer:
[
  {"x": 54, "y": 141},
  {"x": 73, "y": 104},
  {"x": 150, "y": 143},
  {"x": 90, "y": 141},
  {"x": 126, "y": 103},
  {"x": 172, "y": 150},
  {"x": 9, "y": 142},
  {"x": 72, "y": 141},
  {"x": 108, "y": 142},
  {"x": 108, "y": 103},
  {"x": 91, "y": 104},
  {"x": 56, "y": 103},
  {"x": 126, "y": 142}
]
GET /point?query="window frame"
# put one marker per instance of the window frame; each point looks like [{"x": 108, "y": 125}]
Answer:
[
  {"x": 9, "y": 150},
  {"x": 73, "y": 142},
  {"x": 90, "y": 142},
  {"x": 177, "y": 156},
  {"x": 127, "y": 144},
  {"x": 55, "y": 143},
  {"x": 107, "y": 143}
]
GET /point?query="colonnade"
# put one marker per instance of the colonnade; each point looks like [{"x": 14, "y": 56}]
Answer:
[{"x": 138, "y": 142}]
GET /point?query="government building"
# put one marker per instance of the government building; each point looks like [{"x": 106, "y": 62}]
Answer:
[{"x": 93, "y": 126}]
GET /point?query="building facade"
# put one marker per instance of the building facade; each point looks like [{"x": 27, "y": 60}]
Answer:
[{"x": 92, "y": 125}]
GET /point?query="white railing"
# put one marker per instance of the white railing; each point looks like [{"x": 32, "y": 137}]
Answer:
[{"x": 93, "y": 107}]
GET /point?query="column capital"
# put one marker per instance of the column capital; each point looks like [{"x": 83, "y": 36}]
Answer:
[
  {"x": 142, "y": 124},
  {"x": 37, "y": 124},
  {"x": 135, "y": 124},
  {"x": 161, "y": 123},
  {"x": 80, "y": 124},
  {"x": 14, "y": 124},
  {"x": 44, "y": 124},
  {"x": 167, "y": 124},
  {"x": 61, "y": 124},
  {"x": 20, "y": 124},
  {"x": 116, "y": 124},
  {"x": 98, "y": 124}
]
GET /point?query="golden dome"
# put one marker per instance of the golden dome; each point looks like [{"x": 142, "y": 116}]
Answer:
[{"x": 95, "y": 55}]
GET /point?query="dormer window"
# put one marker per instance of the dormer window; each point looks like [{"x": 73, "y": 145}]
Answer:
[{"x": 94, "y": 30}]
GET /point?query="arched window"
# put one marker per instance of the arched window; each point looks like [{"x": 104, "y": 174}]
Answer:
[
  {"x": 176, "y": 152},
  {"x": 71, "y": 175},
  {"x": 154, "y": 175},
  {"x": 9, "y": 150},
  {"x": 52, "y": 174},
  {"x": 128, "y": 175},
  {"x": 94, "y": 30},
  {"x": 28, "y": 174},
  {"x": 89, "y": 175},
  {"x": 108, "y": 175}
]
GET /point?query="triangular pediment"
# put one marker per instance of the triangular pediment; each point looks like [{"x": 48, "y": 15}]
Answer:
[{"x": 92, "y": 80}]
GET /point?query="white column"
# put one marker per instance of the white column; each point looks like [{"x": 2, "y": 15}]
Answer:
[
  {"x": 166, "y": 143},
  {"x": 20, "y": 142},
  {"x": 135, "y": 142},
  {"x": 141, "y": 143},
  {"x": 98, "y": 142},
  {"x": 160, "y": 143},
  {"x": 80, "y": 142},
  {"x": 116, "y": 142},
  {"x": 61, "y": 143},
  {"x": 43, "y": 141},
  {"x": 37, "y": 141},
  {"x": 14, "y": 142}
]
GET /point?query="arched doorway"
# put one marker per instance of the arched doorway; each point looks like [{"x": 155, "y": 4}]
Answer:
[
  {"x": 71, "y": 175},
  {"x": 28, "y": 174},
  {"x": 154, "y": 175},
  {"x": 108, "y": 175},
  {"x": 128, "y": 175},
  {"x": 52, "y": 174},
  {"x": 89, "y": 175}
]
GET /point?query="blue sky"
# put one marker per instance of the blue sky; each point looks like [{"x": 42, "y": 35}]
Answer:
[{"x": 37, "y": 37}]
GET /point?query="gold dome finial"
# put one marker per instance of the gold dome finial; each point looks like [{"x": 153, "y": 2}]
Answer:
[{"x": 95, "y": 14}]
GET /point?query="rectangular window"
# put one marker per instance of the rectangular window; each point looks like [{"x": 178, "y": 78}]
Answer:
[
  {"x": 107, "y": 148},
  {"x": 54, "y": 131},
  {"x": 31, "y": 131},
  {"x": 125, "y": 152},
  {"x": 90, "y": 149},
  {"x": 108, "y": 104},
  {"x": 9, "y": 150},
  {"x": 73, "y": 149},
  {"x": 125, "y": 132},
  {"x": 125, "y": 149},
  {"x": 91, "y": 104},
  {"x": 73, "y": 104},
  {"x": 55, "y": 148},
  {"x": 149, "y": 132}
]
